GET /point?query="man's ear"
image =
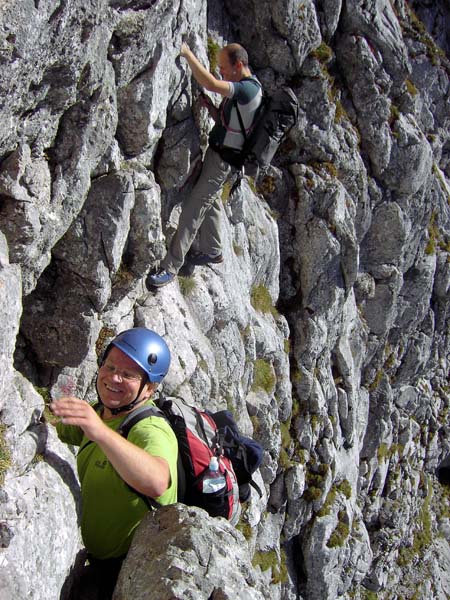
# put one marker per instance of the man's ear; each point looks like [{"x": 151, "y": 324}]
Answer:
[{"x": 150, "y": 389}]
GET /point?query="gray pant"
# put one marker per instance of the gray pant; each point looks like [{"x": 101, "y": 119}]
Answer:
[{"x": 200, "y": 213}]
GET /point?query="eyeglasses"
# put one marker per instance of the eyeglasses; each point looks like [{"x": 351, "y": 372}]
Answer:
[{"x": 123, "y": 374}]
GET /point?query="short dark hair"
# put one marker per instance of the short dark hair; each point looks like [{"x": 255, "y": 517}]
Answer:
[{"x": 236, "y": 52}]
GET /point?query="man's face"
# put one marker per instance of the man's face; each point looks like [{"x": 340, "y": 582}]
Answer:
[
  {"x": 227, "y": 71},
  {"x": 119, "y": 380}
]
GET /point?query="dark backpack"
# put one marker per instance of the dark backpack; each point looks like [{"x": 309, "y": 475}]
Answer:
[
  {"x": 277, "y": 114},
  {"x": 201, "y": 435}
]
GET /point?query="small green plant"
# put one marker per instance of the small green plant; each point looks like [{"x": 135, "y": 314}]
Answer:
[
  {"x": 267, "y": 186},
  {"x": 49, "y": 417},
  {"x": 246, "y": 332},
  {"x": 286, "y": 438},
  {"x": 213, "y": 51},
  {"x": 301, "y": 455},
  {"x": 340, "y": 112},
  {"x": 296, "y": 376},
  {"x": 187, "y": 285},
  {"x": 269, "y": 560},
  {"x": 433, "y": 235},
  {"x": 329, "y": 501},
  {"x": 256, "y": 425},
  {"x": 263, "y": 376},
  {"x": 417, "y": 24},
  {"x": 37, "y": 458},
  {"x": 123, "y": 276},
  {"x": 368, "y": 594},
  {"x": 312, "y": 493},
  {"x": 284, "y": 460},
  {"x": 345, "y": 488},
  {"x": 315, "y": 422},
  {"x": 418, "y": 30},
  {"x": 323, "y": 53},
  {"x": 265, "y": 560},
  {"x": 394, "y": 115},
  {"x": 261, "y": 300},
  {"x": 226, "y": 191},
  {"x": 230, "y": 403},
  {"x": 252, "y": 184},
  {"x": 412, "y": 90},
  {"x": 106, "y": 333},
  {"x": 376, "y": 381},
  {"x": 315, "y": 481},
  {"x": 296, "y": 408},
  {"x": 423, "y": 535},
  {"x": 341, "y": 532},
  {"x": 238, "y": 250},
  {"x": 324, "y": 168},
  {"x": 280, "y": 573},
  {"x": 203, "y": 365},
  {"x": 323, "y": 469},
  {"x": 5, "y": 455},
  {"x": 245, "y": 528},
  {"x": 45, "y": 393},
  {"x": 442, "y": 184},
  {"x": 287, "y": 444},
  {"x": 383, "y": 452}
]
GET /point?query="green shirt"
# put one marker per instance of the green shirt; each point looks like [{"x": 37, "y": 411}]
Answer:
[{"x": 111, "y": 509}]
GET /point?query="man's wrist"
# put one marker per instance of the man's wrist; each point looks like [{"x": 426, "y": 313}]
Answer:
[{"x": 187, "y": 53}]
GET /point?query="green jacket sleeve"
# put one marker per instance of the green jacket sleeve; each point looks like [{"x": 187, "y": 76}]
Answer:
[{"x": 69, "y": 434}]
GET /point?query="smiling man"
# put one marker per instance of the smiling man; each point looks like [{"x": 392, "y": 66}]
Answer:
[{"x": 116, "y": 473}]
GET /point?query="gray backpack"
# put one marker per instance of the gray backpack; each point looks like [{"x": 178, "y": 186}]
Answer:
[{"x": 277, "y": 114}]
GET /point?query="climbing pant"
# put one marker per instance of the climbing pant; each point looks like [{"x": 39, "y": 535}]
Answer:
[{"x": 200, "y": 214}]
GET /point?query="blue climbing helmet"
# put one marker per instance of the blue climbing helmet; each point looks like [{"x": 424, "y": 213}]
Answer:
[{"x": 147, "y": 349}]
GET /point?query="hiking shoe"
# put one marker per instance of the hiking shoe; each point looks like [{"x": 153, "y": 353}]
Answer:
[
  {"x": 187, "y": 270},
  {"x": 159, "y": 279},
  {"x": 205, "y": 259}
]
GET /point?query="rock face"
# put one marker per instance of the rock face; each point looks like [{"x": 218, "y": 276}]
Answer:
[
  {"x": 200, "y": 557},
  {"x": 326, "y": 329}
]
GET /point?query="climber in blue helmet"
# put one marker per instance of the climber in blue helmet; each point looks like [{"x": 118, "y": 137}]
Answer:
[{"x": 118, "y": 474}]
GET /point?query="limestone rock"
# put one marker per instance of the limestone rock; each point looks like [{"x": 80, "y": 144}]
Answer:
[{"x": 181, "y": 552}]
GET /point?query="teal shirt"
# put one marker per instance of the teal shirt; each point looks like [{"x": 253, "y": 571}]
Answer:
[{"x": 111, "y": 509}]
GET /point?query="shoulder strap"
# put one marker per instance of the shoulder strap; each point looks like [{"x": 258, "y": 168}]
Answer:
[
  {"x": 137, "y": 415},
  {"x": 256, "y": 486},
  {"x": 241, "y": 122},
  {"x": 130, "y": 420},
  {"x": 253, "y": 79},
  {"x": 154, "y": 411},
  {"x": 235, "y": 104}
]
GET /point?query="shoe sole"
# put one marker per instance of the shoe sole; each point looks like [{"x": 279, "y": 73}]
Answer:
[
  {"x": 210, "y": 261},
  {"x": 156, "y": 286},
  {"x": 187, "y": 270},
  {"x": 152, "y": 285}
]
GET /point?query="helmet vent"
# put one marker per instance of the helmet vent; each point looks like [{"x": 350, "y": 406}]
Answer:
[{"x": 152, "y": 358}]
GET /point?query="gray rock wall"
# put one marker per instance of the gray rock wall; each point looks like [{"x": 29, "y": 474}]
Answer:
[{"x": 325, "y": 330}]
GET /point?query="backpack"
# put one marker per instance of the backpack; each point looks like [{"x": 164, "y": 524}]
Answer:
[
  {"x": 202, "y": 434},
  {"x": 277, "y": 114}
]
